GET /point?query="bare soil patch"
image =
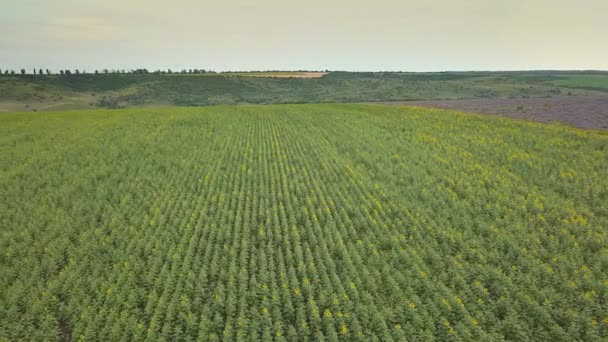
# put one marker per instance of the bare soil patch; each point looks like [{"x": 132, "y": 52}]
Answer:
[
  {"x": 281, "y": 74},
  {"x": 589, "y": 112}
]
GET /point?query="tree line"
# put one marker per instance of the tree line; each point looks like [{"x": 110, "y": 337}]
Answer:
[{"x": 69, "y": 72}]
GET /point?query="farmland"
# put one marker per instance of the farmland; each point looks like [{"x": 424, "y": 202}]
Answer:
[
  {"x": 279, "y": 74},
  {"x": 300, "y": 222}
]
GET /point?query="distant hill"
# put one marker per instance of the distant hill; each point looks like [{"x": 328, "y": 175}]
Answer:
[{"x": 63, "y": 92}]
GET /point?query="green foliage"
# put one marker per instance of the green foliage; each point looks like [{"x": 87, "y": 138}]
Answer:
[{"x": 300, "y": 222}]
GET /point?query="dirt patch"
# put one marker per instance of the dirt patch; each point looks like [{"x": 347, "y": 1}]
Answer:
[
  {"x": 280, "y": 74},
  {"x": 589, "y": 112}
]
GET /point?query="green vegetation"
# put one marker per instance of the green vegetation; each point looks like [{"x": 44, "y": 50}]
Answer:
[
  {"x": 300, "y": 222},
  {"x": 55, "y": 92},
  {"x": 593, "y": 82}
]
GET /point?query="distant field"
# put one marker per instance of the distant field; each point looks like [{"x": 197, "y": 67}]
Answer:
[
  {"x": 597, "y": 82},
  {"x": 589, "y": 112},
  {"x": 280, "y": 74},
  {"x": 300, "y": 222}
]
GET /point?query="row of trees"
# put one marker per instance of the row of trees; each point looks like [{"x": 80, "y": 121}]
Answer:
[{"x": 37, "y": 71}]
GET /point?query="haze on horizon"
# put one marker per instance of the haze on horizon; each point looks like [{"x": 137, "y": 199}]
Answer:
[{"x": 407, "y": 35}]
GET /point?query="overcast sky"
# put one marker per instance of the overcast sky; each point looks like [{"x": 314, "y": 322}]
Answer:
[{"x": 410, "y": 35}]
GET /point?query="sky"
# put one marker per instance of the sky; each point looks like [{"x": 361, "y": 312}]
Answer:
[{"x": 397, "y": 35}]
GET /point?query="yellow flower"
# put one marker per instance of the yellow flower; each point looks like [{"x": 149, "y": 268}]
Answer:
[
  {"x": 412, "y": 305},
  {"x": 297, "y": 292},
  {"x": 344, "y": 329},
  {"x": 265, "y": 310}
]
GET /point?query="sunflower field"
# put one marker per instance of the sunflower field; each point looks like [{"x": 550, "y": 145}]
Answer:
[{"x": 321, "y": 222}]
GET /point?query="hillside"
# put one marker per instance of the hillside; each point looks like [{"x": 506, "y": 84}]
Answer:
[
  {"x": 54, "y": 92},
  {"x": 300, "y": 222}
]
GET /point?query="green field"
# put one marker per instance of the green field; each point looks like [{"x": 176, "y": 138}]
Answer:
[
  {"x": 593, "y": 82},
  {"x": 300, "y": 222}
]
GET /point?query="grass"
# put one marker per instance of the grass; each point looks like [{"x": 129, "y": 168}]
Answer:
[
  {"x": 327, "y": 221},
  {"x": 594, "y": 82},
  {"x": 125, "y": 90}
]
